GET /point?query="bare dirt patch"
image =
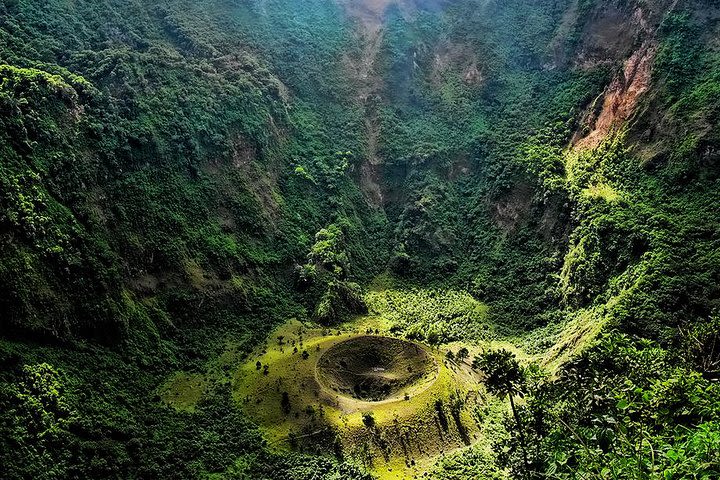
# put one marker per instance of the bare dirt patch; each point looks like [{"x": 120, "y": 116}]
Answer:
[
  {"x": 513, "y": 209},
  {"x": 620, "y": 98}
]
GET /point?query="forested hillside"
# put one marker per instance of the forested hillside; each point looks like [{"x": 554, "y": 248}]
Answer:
[{"x": 194, "y": 194}]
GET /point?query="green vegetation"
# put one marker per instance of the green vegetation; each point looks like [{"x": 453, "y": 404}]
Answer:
[
  {"x": 199, "y": 200},
  {"x": 638, "y": 414},
  {"x": 506, "y": 379},
  {"x": 370, "y": 399},
  {"x": 327, "y": 269},
  {"x": 433, "y": 316}
]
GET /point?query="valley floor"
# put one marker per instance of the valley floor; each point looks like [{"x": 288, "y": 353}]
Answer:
[{"x": 438, "y": 415}]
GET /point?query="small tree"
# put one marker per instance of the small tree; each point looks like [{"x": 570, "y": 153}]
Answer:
[
  {"x": 285, "y": 403},
  {"x": 433, "y": 338},
  {"x": 368, "y": 420},
  {"x": 505, "y": 378},
  {"x": 462, "y": 354}
]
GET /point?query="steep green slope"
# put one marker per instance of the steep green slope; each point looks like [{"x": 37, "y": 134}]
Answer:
[
  {"x": 164, "y": 177},
  {"x": 156, "y": 200}
]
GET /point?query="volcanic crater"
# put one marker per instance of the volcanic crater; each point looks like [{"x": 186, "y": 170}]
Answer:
[{"x": 374, "y": 368}]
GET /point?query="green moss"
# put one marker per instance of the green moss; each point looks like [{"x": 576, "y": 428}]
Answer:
[{"x": 183, "y": 391}]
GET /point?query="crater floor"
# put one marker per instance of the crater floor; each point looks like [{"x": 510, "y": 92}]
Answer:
[{"x": 374, "y": 368}]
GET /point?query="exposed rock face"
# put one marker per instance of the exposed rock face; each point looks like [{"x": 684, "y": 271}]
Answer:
[
  {"x": 372, "y": 12},
  {"x": 619, "y": 99}
]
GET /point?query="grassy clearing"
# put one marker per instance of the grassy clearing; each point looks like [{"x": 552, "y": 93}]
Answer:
[
  {"x": 183, "y": 391},
  {"x": 397, "y": 437}
]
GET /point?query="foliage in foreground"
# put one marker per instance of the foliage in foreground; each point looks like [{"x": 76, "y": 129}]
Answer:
[{"x": 625, "y": 409}]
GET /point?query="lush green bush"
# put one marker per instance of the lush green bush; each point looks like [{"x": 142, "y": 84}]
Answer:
[
  {"x": 623, "y": 409},
  {"x": 436, "y": 316}
]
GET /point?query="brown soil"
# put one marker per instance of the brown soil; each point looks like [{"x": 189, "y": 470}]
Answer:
[
  {"x": 456, "y": 57},
  {"x": 619, "y": 99}
]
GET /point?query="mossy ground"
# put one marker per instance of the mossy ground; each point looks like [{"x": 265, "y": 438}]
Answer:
[
  {"x": 407, "y": 430},
  {"x": 183, "y": 391}
]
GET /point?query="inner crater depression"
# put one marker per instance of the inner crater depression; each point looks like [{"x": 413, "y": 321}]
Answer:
[{"x": 374, "y": 368}]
